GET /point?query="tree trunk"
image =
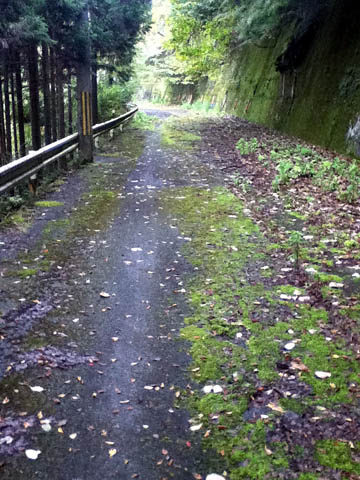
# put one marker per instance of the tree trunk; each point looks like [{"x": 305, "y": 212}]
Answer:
[
  {"x": 70, "y": 111},
  {"x": 60, "y": 105},
  {"x": 84, "y": 95},
  {"x": 2, "y": 128},
  {"x": 20, "y": 104},
  {"x": 53, "y": 95},
  {"x": 46, "y": 92},
  {"x": 60, "y": 97},
  {"x": 13, "y": 104},
  {"x": 34, "y": 97},
  {"x": 95, "y": 112},
  {"x": 7, "y": 108}
]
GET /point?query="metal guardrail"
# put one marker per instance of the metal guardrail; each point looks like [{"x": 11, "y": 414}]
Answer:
[{"x": 25, "y": 167}]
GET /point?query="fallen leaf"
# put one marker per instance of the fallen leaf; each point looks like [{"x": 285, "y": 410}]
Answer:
[
  {"x": 37, "y": 389},
  {"x": 32, "y": 454},
  {"x": 112, "y": 452},
  {"x": 322, "y": 375},
  {"x": 298, "y": 365},
  {"x": 268, "y": 451},
  {"x": 275, "y": 407},
  {"x": 195, "y": 428},
  {"x": 104, "y": 294}
]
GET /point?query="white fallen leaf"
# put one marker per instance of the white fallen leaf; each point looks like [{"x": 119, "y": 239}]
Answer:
[
  {"x": 114, "y": 339},
  {"x": 290, "y": 346},
  {"x": 268, "y": 451},
  {"x": 336, "y": 285},
  {"x": 73, "y": 436},
  {"x": 322, "y": 375},
  {"x": 214, "y": 476},
  {"x": 104, "y": 295},
  {"x": 32, "y": 454},
  {"x": 136, "y": 249},
  {"x": 195, "y": 428},
  {"x": 208, "y": 389},
  {"x": 37, "y": 389},
  {"x": 8, "y": 440},
  {"x": 46, "y": 427},
  {"x": 217, "y": 389}
]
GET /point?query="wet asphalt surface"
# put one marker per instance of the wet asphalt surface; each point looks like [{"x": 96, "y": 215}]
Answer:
[{"x": 105, "y": 424}]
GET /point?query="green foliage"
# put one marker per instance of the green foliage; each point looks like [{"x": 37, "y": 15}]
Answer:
[
  {"x": 144, "y": 121},
  {"x": 295, "y": 240},
  {"x": 205, "y": 32},
  {"x": 337, "y": 175},
  {"x": 113, "y": 99},
  {"x": 201, "y": 47},
  {"x": 246, "y": 147}
]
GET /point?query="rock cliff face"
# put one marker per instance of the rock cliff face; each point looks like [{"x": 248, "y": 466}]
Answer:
[{"x": 307, "y": 85}]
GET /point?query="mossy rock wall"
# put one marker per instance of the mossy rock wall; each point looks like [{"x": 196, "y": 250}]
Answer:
[{"x": 319, "y": 102}]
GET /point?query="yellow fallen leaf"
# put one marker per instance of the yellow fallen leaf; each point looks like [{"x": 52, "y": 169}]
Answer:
[
  {"x": 275, "y": 407},
  {"x": 112, "y": 452},
  {"x": 60, "y": 430}
]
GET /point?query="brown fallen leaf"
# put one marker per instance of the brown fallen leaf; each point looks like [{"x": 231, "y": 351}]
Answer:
[{"x": 297, "y": 364}]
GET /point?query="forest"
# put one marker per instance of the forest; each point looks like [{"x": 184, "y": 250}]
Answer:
[{"x": 42, "y": 46}]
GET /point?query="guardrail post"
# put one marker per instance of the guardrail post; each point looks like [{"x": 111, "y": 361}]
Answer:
[
  {"x": 33, "y": 183},
  {"x": 84, "y": 95}
]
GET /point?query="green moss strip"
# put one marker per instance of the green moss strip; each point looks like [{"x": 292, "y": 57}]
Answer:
[
  {"x": 226, "y": 248},
  {"x": 48, "y": 204}
]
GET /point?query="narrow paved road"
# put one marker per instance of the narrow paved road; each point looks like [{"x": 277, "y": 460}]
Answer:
[{"x": 113, "y": 417}]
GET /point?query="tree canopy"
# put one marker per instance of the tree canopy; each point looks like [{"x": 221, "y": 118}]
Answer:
[{"x": 205, "y": 32}]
